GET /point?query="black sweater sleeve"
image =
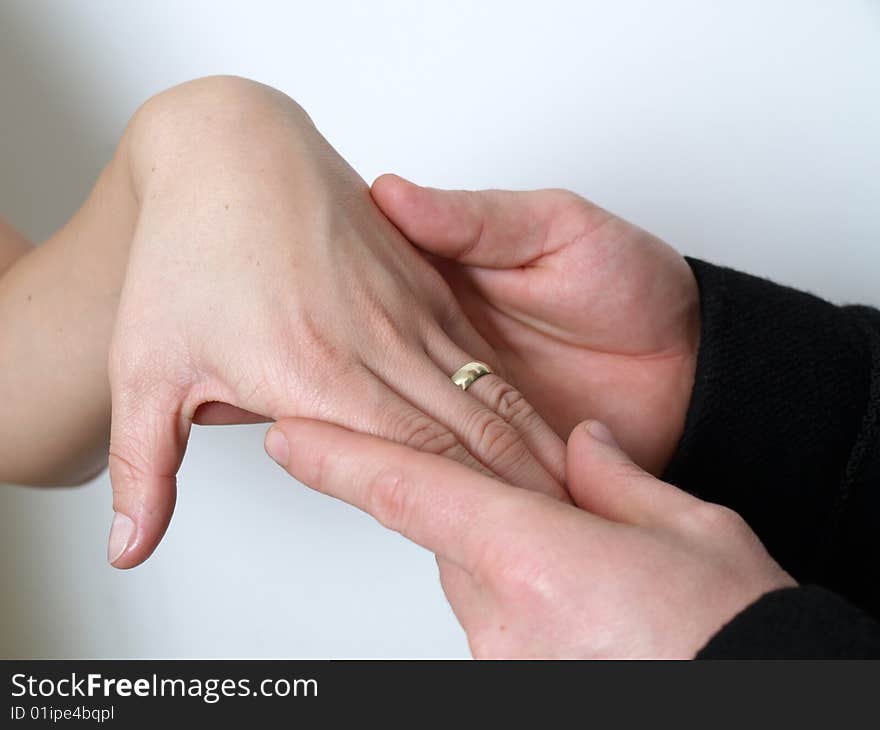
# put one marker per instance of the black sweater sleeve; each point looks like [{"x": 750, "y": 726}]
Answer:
[
  {"x": 797, "y": 623},
  {"x": 784, "y": 427}
]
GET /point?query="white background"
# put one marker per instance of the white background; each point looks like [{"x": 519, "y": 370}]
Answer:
[{"x": 744, "y": 132}]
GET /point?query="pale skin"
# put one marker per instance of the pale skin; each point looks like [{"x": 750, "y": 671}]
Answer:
[
  {"x": 57, "y": 308},
  {"x": 230, "y": 267},
  {"x": 635, "y": 568},
  {"x": 589, "y": 314}
]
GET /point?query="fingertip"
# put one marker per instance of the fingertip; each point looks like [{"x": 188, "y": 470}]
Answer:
[
  {"x": 311, "y": 438},
  {"x": 386, "y": 179},
  {"x": 142, "y": 506},
  {"x": 600, "y": 432},
  {"x": 589, "y": 432},
  {"x": 277, "y": 446},
  {"x": 131, "y": 541},
  {"x": 126, "y": 562},
  {"x": 388, "y": 189},
  {"x": 591, "y": 454}
]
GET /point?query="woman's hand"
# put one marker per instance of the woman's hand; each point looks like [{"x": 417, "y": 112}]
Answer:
[
  {"x": 637, "y": 569},
  {"x": 263, "y": 282},
  {"x": 590, "y": 315}
]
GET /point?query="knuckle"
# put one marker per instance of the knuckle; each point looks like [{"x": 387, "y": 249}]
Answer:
[
  {"x": 131, "y": 475},
  {"x": 566, "y": 201},
  {"x": 389, "y": 498},
  {"x": 134, "y": 441},
  {"x": 444, "y": 305},
  {"x": 420, "y": 432},
  {"x": 431, "y": 281},
  {"x": 707, "y": 518},
  {"x": 387, "y": 327},
  {"x": 495, "y": 441},
  {"x": 562, "y": 196},
  {"x": 123, "y": 461},
  {"x": 311, "y": 338},
  {"x": 507, "y": 401},
  {"x": 286, "y": 380}
]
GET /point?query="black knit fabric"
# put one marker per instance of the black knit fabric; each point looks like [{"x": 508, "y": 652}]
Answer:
[
  {"x": 784, "y": 427},
  {"x": 797, "y": 623}
]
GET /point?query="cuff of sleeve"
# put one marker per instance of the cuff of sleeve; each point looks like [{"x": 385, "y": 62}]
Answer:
[
  {"x": 797, "y": 623},
  {"x": 781, "y": 387}
]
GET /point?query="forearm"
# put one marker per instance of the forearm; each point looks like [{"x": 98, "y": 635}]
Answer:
[{"x": 57, "y": 306}]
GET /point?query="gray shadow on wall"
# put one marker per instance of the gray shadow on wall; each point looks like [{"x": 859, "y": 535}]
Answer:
[{"x": 50, "y": 154}]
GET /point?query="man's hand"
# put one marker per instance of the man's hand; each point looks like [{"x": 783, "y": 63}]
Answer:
[
  {"x": 590, "y": 315},
  {"x": 637, "y": 569}
]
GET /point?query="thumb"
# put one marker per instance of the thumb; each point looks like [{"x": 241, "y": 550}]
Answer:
[
  {"x": 148, "y": 436},
  {"x": 490, "y": 228},
  {"x": 603, "y": 480}
]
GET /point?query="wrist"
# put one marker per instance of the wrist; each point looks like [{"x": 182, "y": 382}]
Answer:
[{"x": 209, "y": 130}]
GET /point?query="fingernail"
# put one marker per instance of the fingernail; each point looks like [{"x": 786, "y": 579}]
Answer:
[
  {"x": 121, "y": 532},
  {"x": 276, "y": 446},
  {"x": 600, "y": 432}
]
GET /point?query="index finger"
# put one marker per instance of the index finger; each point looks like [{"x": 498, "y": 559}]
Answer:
[{"x": 437, "y": 503}]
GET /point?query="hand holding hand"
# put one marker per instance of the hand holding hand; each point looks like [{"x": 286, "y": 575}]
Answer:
[
  {"x": 263, "y": 282},
  {"x": 637, "y": 569},
  {"x": 591, "y": 316}
]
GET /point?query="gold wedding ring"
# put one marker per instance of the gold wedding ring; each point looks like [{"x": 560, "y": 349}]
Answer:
[{"x": 468, "y": 374}]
